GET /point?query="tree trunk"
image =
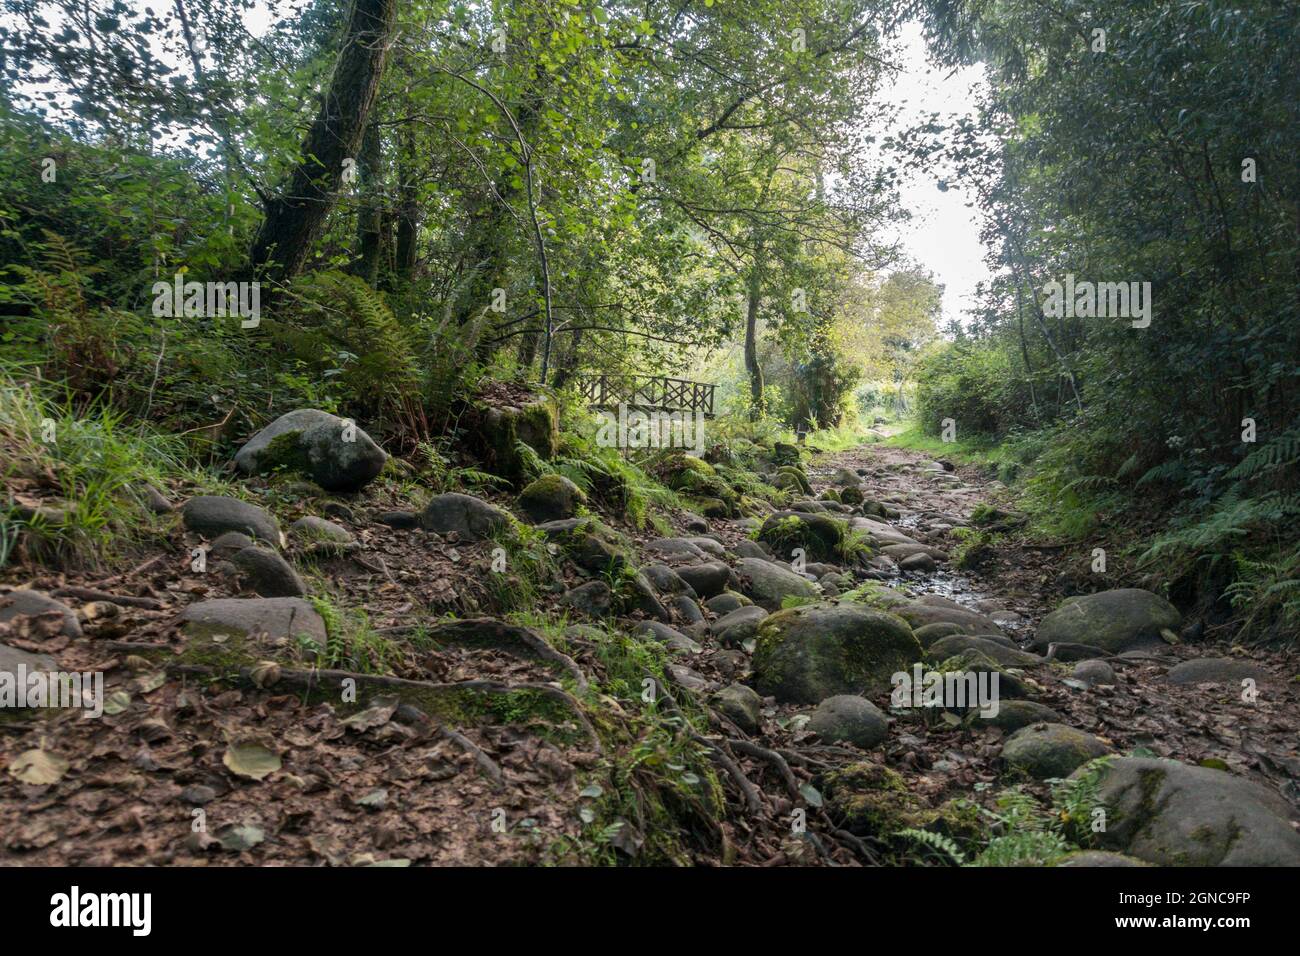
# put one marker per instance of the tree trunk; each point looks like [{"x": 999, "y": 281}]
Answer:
[
  {"x": 565, "y": 368},
  {"x": 295, "y": 217},
  {"x": 408, "y": 210},
  {"x": 370, "y": 215},
  {"x": 751, "y": 336}
]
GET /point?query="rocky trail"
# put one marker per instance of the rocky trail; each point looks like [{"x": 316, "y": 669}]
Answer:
[{"x": 349, "y": 691}]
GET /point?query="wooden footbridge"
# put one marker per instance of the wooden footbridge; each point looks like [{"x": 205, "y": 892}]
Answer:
[{"x": 647, "y": 393}]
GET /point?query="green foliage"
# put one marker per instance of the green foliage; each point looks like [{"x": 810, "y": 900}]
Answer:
[
  {"x": 1024, "y": 834},
  {"x": 1140, "y": 423},
  {"x": 940, "y": 846},
  {"x": 975, "y": 387},
  {"x": 352, "y": 643},
  {"x": 530, "y": 567},
  {"x": 87, "y": 469},
  {"x": 342, "y": 332}
]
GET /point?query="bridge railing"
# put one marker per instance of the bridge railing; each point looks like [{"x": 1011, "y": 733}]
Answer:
[{"x": 648, "y": 392}]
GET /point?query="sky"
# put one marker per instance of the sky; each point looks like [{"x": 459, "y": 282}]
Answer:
[{"x": 943, "y": 234}]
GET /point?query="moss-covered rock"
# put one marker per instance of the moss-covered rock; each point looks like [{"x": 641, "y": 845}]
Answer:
[
  {"x": 741, "y": 705},
  {"x": 783, "y": 453},
  {"x": 875, "y": 509},
  {"x": 851, "y": 495},
  {"x": 769, "y": 585},
  {"x": 790, "y": 478},
  {"x": 845, "y": 478},
  {"x": 551, "y": 498},
  {"x": 1093, "y": 858},
  {"x": 1116, "y": 621},
  {"x": 919, "y": 614},
  {"x": 868, "y": 799},
  {"x": 714, "y": 507},
  {"x": 334, "y": 453},
  {"x": 954, "y": 644},
  {"x": 820, "y": 535},
  {"x": 591, "y": 544},
  {"x": 502, "y": 427},
  {"x": 927, "y": 634},
  {"x": 230, "y": 632},
  {"x": 1051, "y": 750},
  {"x": 1173, "y": 814},
  {"x": 972, "y": 661},
  {"x": 806, "y": 654}
]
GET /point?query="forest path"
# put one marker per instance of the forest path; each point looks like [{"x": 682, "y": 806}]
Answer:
[
  {"x": 129, "y": 787},
  {"x": 1254, "y": 732}
]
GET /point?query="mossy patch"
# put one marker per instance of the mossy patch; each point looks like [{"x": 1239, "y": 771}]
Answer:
[{"x": 286, "y": 454}]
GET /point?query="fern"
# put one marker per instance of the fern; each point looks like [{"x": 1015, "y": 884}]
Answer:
[
  {"x": 936, "y": 842},
  {"x": 1023, "y": 849},
  {"x": 1282, "y": 452},
  {"x": 346, "y": 333}
]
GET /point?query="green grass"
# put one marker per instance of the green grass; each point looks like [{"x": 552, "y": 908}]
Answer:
[
  {"x": 353, "y": 644},
  {"x": 89, "y": 464},
  {"x": 976, "y": 450}
]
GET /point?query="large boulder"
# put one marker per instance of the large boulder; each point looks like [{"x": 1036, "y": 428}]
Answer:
[
  {"x": 927, "y": 634},
  {"x": 676, "y": 549},
  {"x": 214, "y": 515},
  {"x": 27, "y": 603},
  {"x": 551, "y": 498},
  {"x": 806, "y": 654},
  {"x": 667, "y": 581},
  {"x": 708, "y": 579},
  {"x": 12, "y": 658},
  {"x": 1115, "y": 621},
  {"x": 955, "y": 644},
  {"x": 333, "y": 452},
  {"x": 1173, "y": 814},
  {"x": 594, "y": 599},
  {"x": 1051, "y": 750},
  {"x": 689, "y": 474},
  {"x": 674, "y": 639},
  {"x": 768, "y": 584},
  {"x": 471, "y": 518}
]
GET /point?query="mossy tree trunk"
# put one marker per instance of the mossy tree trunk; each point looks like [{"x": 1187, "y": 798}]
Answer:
[{"x": 296, "y": 216}]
